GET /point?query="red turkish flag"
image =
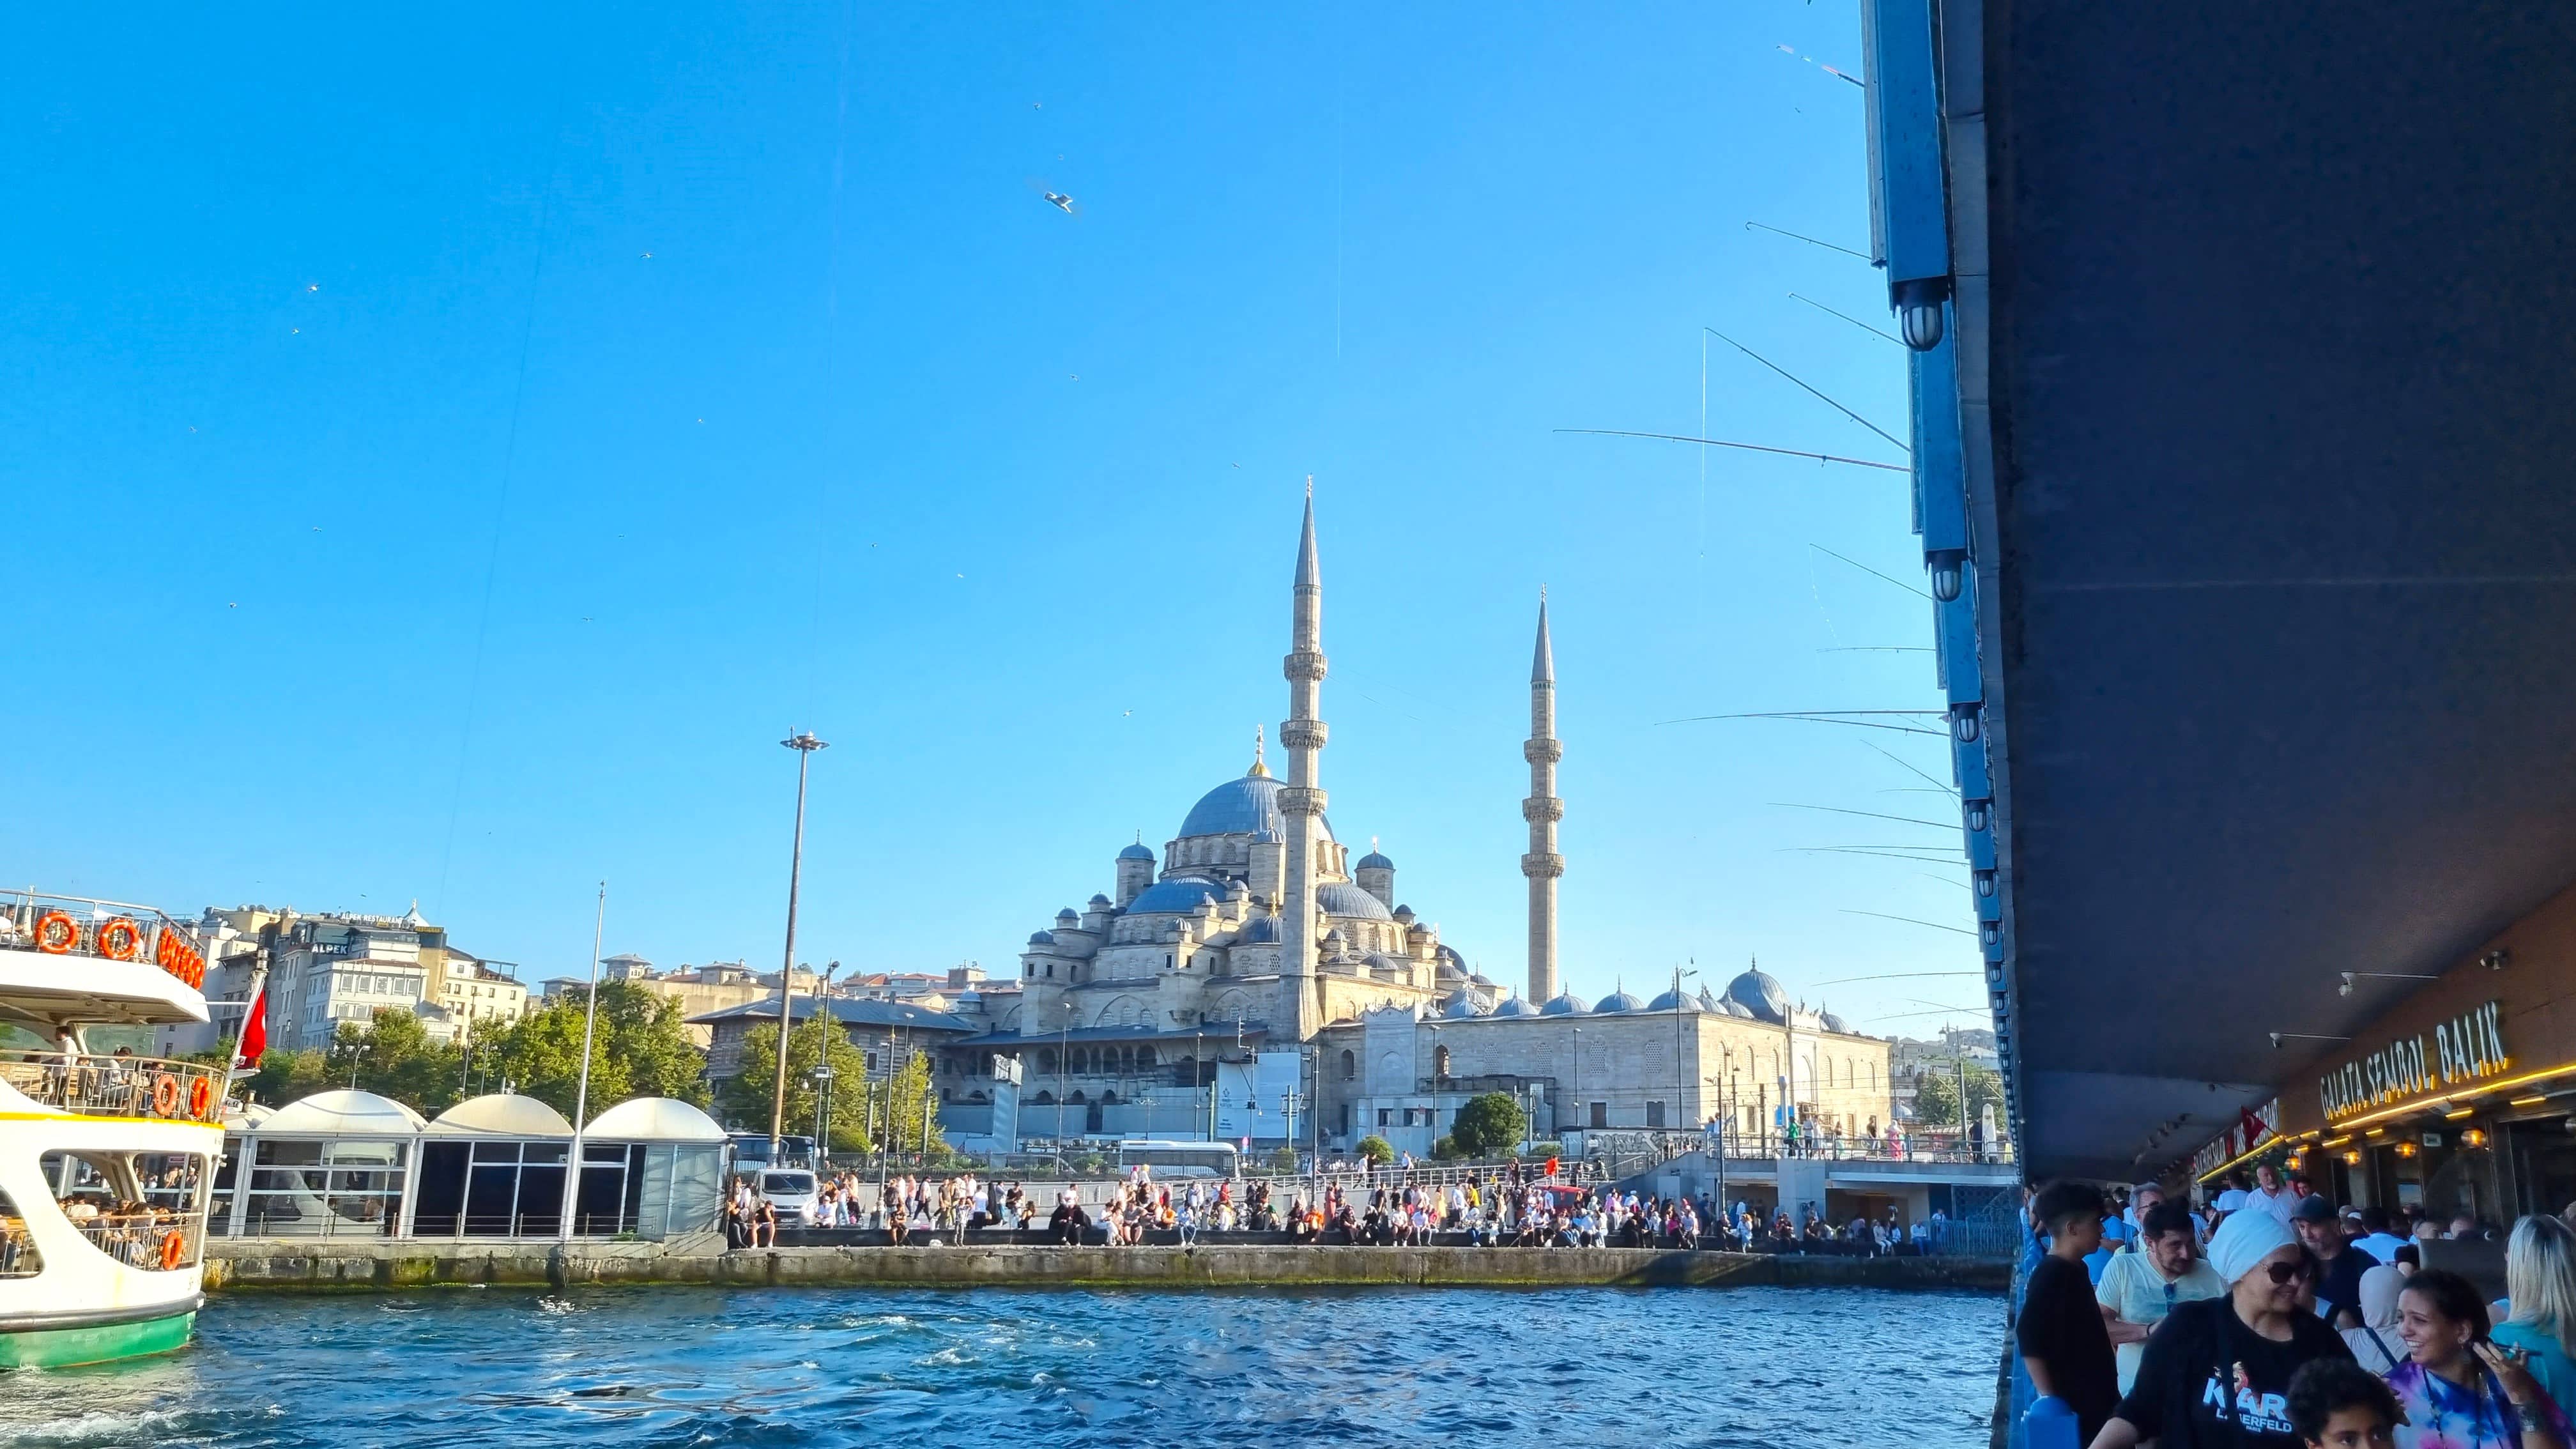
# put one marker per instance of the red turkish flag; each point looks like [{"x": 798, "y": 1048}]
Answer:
[{"x": 254, "y": 1032}]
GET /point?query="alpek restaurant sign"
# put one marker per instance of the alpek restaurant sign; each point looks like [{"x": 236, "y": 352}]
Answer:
[{"x": 2467, "y": 1048}]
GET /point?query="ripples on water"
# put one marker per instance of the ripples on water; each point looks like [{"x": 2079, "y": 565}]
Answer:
[{"x": 1771, "y": 1367}]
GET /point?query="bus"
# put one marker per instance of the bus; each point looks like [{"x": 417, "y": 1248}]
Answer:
[
  {"x": 751, "y": 1151},
  {"x": 1179, "y": 1159}
]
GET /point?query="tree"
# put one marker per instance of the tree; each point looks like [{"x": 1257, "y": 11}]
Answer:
[
  {"x": 285, "y": 1076},
  {"x": 1376, "y": 1148},
  {"x": 856, "y": 1102},
  {"x": 1489, "y": 1126},
  {"x": 394, "y": 1057},
  {"x": 1936, "y": 1093},
  {"x": 641, "y": 1049}
]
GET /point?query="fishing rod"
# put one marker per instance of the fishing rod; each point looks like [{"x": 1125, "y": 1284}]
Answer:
[
  {"x": 1749, "y": 447},
  {"x": 1793, "y": 377},
  {"x": 1855, "y": 321},
  {"x": 1864, "y": 568},
  {"x": 1811, "y": 241},
  {"x": 1869, "y": 814}
]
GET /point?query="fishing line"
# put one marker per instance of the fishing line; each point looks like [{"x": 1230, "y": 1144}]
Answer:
[{"x": 501, "y": 501}]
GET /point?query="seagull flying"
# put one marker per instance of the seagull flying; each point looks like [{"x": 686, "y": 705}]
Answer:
[{"x": 1060, "y": 202}]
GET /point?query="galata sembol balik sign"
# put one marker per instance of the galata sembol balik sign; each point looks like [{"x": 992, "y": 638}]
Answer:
[{"x": 2467, "y": 1048}]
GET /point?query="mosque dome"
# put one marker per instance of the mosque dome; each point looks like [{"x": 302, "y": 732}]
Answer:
[
  {"x": 1242, "y": 806},
  {"x": 1616, "y": 1002},
  {"x": 1177, "y": 895},
  {"x": 1380, "y": 961},
  {"x": 1760, "y": 996},
  {"x": 1100, "y": 901},
  {"x": 1448, "y": 971},
  {"x": 1676, "y": 1001},
  {"x": 1460, "y": 1008},
  {"x": 1480, "y": 978},
  {"x": 1835, "y": 1023},
  {"x": 1339, "y": 898},
  {"x": 1373, "y": 861},
  {"x": 1736, "y": 1008},
  {"x": 1067, "y": 916},
  {"x": 1042, "y": 938},
  {"x": 1262, "y": 931},
  {"x": 1515, "y": 1006},
  {"x": 1139, "y": 851},
  {"x": 1568, "y": 1004}
]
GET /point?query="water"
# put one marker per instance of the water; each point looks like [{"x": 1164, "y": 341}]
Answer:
[{"x": 1769, "y": 1367}]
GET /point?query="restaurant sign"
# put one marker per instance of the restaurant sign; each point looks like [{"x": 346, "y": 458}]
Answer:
[{"x": 2467, "y": 1048}]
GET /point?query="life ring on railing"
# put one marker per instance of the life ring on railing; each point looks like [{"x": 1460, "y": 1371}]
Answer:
[
  {"x": 201, "y": 1097},
  {"x": 174, "y": 1249},
  {"x": 165, "y": 1095},
  {"x": 120, "y": 939},
  {"x": 56, "y": 932}
]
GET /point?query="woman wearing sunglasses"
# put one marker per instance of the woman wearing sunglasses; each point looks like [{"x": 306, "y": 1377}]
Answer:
[
  {"x": 2216, "y": 1373},
  {"x": 2460, "y": 1391}
]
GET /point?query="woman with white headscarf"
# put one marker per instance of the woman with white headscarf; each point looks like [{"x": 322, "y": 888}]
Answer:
[{"x": 2216, "y": 1374}]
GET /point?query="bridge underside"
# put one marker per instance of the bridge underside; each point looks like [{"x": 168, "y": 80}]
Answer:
[{"x": 2268, "y": 355}]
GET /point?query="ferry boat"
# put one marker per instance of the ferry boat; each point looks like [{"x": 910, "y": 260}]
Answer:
[{"x": 106, "y": 1156}]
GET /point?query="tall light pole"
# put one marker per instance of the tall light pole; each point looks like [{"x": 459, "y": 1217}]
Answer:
[
  {"x": 804, "y": 744},
  {"x": 1679, "y": 1089}
]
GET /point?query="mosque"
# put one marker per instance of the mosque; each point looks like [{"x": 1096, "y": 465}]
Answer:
[{"x": 1254, "y": 934}]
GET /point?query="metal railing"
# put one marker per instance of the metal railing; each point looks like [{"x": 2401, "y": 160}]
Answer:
[
  {"x": 143, "y": 1239},
  {"x": 105, "y": 930},
  {"x": 117, "y": 1086}
]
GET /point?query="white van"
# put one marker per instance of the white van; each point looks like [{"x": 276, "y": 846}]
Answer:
[{"x": 792, "y": 1190}]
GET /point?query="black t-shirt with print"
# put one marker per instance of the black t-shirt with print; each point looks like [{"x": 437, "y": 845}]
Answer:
[{"x": 2207, "y": 1381}]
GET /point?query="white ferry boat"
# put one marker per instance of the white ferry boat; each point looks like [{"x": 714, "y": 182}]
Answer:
[{"x": 105, "y": 1156}]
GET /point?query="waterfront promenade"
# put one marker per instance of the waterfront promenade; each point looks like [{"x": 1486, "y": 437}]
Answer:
[{"x": 251, "y": 1265}]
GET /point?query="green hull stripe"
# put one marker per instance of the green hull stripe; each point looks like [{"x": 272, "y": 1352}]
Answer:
[{"x": 59, "y": 1347}]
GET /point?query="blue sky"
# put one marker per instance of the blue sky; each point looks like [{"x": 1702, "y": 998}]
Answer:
[{"x": 447, "y": 457}]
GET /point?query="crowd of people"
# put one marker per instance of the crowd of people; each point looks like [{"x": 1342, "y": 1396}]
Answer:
[
  {"x": 1515, "y": 1205},
  {"x": 2269, "y": 1317}
]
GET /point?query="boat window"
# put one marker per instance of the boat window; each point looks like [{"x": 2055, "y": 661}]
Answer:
[
  {"x": 18, "y": 1255},
  {"x": 115, "y": 1200}
]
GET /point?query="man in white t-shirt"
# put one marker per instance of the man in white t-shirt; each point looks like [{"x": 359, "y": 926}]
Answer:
[
  {"x": 2271, "y": 1195},
  {"x": 2140, "y": 1286},
  {"x": 2376, "y": 1239}
]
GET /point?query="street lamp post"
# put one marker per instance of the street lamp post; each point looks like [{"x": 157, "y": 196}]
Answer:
[
  {"x": 804, "y": 744},
  {"x": 823, "y": 1115},
  {"x": 1679, "y": 1089}
]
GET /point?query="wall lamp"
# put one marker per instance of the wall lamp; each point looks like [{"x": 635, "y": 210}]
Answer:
[
  {"x": 2350, "y": 977},
  {"x": 1918, "y": 311},
  {"x": 1946, "y": 568},
  {"x": 2279, "y": 1037}
]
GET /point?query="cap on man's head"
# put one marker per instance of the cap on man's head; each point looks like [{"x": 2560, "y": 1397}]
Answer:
[{"x": 2312, "y": 1209}]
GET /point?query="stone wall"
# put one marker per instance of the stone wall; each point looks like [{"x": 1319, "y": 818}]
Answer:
[{"x": 248, "y": 1265}]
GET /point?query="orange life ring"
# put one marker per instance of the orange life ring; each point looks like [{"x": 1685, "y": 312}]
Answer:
[
  {"x": 165, "y": 1095},
  {"x": 201, "y": 1097},
  {"x": 174, "y": 1249},
  {"x": 56, "y": 933},
  {"x": 120, "y": 939}
]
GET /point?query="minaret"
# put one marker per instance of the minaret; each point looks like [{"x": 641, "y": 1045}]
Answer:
[
  {"x": 1542, "y": 810},
  {"x": 1301, "y": 800}
]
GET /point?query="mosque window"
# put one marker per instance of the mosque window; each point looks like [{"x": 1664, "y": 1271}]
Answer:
[
  {"x": 1350, "y": 1066},
  {"x": 1655, "y": 1114},
  {"x": 1144, "y": 1059}
]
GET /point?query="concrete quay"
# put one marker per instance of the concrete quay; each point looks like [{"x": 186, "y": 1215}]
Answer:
[{"x": 288, "y": 1265}]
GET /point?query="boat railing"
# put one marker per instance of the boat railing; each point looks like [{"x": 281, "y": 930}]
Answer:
[
  {"x": 116, "y": 1086},
  {"x": 143, "y": 1238},
  {"x": 104, "y": 930}
]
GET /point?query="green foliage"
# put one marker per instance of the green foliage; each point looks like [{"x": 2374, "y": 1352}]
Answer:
[
  {"x": 1376, "y": 1148},
  {"x": 1444, "y": 1148},
  {"x": 641, "y": 1049},
  {"x": 1936, "y": 1094},
  {"x": 285, "y": 1076},
  {"x": 1545, "y": 1150},
  {"x": 1489, "y": 1126},
  {"x": 1284, "y": 1160},
  {"x": 746, "y": 1097},
  {"x": 394, "y": 1057}
]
